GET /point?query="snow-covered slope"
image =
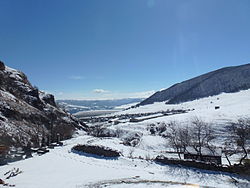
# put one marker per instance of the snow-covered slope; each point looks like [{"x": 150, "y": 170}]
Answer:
[
  {"x": 231, "y": 106},
  {"x": 61, "y": 168},
  {"x": 228, "y": 79},
  {"x": 27, "y": 114},
  {"x": 64, "y": 169}
]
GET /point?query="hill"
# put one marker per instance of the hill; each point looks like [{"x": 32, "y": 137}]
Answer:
[
  {"x": 134, "y": 169},
  {"x": 27, "y": 115},
  {"x": 228, "y": 80}
]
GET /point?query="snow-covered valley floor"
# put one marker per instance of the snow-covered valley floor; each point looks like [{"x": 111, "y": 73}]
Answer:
[{"x": 61, "y": 168}]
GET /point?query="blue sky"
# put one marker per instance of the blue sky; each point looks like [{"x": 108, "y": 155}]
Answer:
[{"x": 86, "y": 49}]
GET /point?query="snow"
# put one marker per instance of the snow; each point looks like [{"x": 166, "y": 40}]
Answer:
[
  {"x": 63, "y": 169},
  {"x": 232, "y": 106},
  {"x": 43, "y": 94},
  {"x": 91, "y": 113},
  {"x": 13, "y": 73},
  {"x": 205, "y": 151},
  {"x": 7, "y": 95},
  {"x": 125, "y": 106}
]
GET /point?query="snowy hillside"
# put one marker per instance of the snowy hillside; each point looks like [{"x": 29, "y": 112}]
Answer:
[
  {"x": 63, "y": 168},
  {"x": 232, "y": 105},
  {"x": 228, "y": 80},
  {"x": 28, "y": 115}
]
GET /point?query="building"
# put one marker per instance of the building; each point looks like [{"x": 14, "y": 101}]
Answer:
[{"x": 207, "y": 155}]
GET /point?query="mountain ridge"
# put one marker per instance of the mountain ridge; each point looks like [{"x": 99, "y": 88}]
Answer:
[
  {"x": 227, "y": 79},
  {"x": 28, "y": 115}
]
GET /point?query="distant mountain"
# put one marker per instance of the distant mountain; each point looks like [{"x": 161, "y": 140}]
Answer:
[
  {"x": 27, "y": 115},
  {"x": 228, "y": 80},
  {"x": 74, "y": 106}
]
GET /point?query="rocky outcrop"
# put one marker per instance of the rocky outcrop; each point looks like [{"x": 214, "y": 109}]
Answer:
[
  {"x": 228, "y": 80},
  {"x": 28, "y": 115},
  {"x": 48, "y": 98},
  {"x": 2, "y": 66}
]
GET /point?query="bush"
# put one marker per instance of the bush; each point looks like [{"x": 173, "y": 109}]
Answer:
[
  {"x": 129, "y": 138},
  {"x": 100, "y": 131},
  {"x": 246, "y": 162},
  {"x": 158, "y": 128},
  {"x": 132, "y": 139},
  {"x": 96, "y": 150}
]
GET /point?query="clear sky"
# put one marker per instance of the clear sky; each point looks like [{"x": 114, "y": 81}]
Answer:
[{"x": 87, "y": 49}]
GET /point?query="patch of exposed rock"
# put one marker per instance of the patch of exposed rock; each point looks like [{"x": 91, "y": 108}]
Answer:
[{"x": 28, "y": 115}]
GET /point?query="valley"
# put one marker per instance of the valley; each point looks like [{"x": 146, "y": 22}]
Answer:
[
  {"x": 147, "y": 140},
  {"x": 138, "y": 147},
  {"x": 124, "y": 94}
]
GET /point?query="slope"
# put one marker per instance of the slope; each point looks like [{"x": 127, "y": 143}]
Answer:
[
  {"x": 27, "y": 115},
  {"x": 229, "y": 79}
]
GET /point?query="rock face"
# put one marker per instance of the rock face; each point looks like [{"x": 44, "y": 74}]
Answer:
[
  {"x": 2, "y": 66},
  {"x": 228, "y": 80},
  {"x": 27, "y": 115}
]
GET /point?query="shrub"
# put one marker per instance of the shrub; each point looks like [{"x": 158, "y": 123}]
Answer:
[
  {"x": 158, "y": 128},
  {"x": 246, "y": 162},
  {"x": 96, "y": 150},
  {"x": 100, "y": 131},
  {"x": 132, "y": 139}
]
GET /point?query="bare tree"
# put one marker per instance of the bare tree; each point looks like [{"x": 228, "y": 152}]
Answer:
[
  {"x": 240, "y": 134},
  {"x": 228, "y": 150},
  {"x": 185, "y": 137},
  {"x": 201, "y": 134},
  {"x": 178, "y": 137},
  {"x": 197, "y": 135},
  {"x": 97, "y": 130},
  {"x": 173, "y": 137}
]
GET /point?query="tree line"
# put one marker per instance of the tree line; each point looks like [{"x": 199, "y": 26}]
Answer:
[{"x": 200, "y": 134}]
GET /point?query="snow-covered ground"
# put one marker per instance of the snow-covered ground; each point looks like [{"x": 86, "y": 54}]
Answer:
[
  {"x": 62, "y": 168},
  {"x": 232, "y": 105}
]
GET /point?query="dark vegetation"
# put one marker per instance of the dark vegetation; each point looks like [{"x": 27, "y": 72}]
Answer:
[
  {"x": 101, "y": 131},
  {"x": 239, "y": 139},
  {"x": 243, "y": 169},
  {"x": 199, "y": 135},
  {"x": 132, "y": 117},
  {"x": 129, "y": 138},
  {"x": 96, "y": 150}
]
